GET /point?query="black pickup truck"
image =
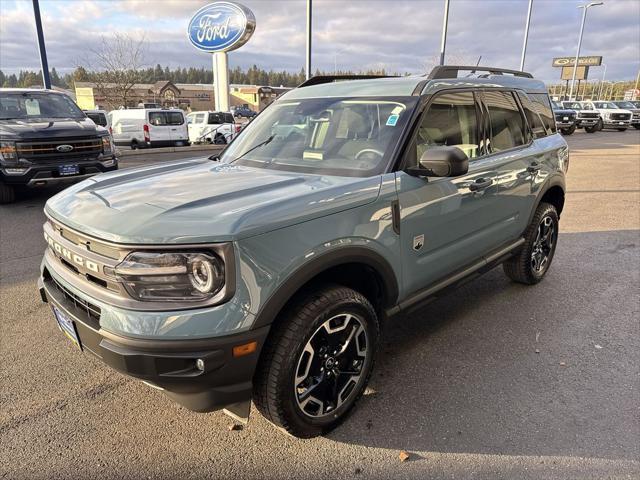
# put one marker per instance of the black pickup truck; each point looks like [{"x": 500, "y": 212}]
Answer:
[{"x": 46, "y": 139}]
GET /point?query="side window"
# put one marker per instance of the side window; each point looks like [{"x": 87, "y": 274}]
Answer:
[
  {"x": 228, "y": 118},
  {"x": 175, "y": 118},
  {"x": 543, "y": 107},
  {"x": 449, "y": 121},
  {"x": 505, "y": 120},
  {"x": 215, "y": 119},
  {"x": 534, "y": 120}
]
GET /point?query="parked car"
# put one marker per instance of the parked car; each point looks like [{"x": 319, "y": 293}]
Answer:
[
  {"x": 587, "y": 117},
  {"x": 612, "y": 115},
  {"x": 635, "y": 112},
  {"x": 267, "y": 272},
  {"x": 99, "y": 117},
  {"x": 243, "y": 111},
  {"x": 566, "y": 119},
  {"x": 212, "y": 127},
  {"x": 46, "y": 139},
  {"x": 149, "y": 127}
]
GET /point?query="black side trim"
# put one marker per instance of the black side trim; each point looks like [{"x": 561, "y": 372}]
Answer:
[
  {"x": 395, "y": 216},
  {"x": 453, "y": 281},
  {"x": 339, "y": 256}
]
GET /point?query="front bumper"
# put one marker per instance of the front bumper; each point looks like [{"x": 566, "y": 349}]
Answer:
[
  {"x": 608, "y": 123},
  {"x": 41, "y": 175},
  {"x": 565, "y": 124},
  {"x": 587, "y": 122},
  {"x": 170, "y": 365}
]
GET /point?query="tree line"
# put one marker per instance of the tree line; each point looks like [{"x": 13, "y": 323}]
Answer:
[{"x": 251, "y": 76}]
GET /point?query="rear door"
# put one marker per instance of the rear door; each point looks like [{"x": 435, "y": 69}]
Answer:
[
  {"x": 159, "y": 130},
  {"x": 177, "y": 126}
]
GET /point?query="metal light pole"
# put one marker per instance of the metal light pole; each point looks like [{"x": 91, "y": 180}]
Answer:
[
  {"x": 308, "y": 59},
  {"x": 44, "y": 65},
  {"x": 602, "y": 82},
  {"x": 526, "y": 36},
  {"x": 575, "y": 63},
  {"x": 445, "y": 23}
]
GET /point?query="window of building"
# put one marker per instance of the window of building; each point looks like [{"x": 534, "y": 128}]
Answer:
[{"x": 506, "y": 121}]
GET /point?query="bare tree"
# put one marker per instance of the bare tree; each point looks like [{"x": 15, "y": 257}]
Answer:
[{"x": 116, "y": 66}]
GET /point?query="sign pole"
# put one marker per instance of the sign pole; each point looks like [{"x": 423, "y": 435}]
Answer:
[
  {"x": 308, "y": 53},
  {"x": 221, "y": 81},
  {"x": 44, "y": 65}
]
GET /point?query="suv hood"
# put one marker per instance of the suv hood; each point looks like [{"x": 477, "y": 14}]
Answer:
[
  {"x": 198, "y": 201},
  {"x": 48, "y": 128}
]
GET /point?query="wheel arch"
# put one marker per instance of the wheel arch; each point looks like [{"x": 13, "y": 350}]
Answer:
[
  {"x": 360, "y": 268},
  {"x": 553, "y": 192}
]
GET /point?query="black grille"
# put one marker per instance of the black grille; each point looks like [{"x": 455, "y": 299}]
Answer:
[
  {"x": 620, "y": 116},
  {"x": 93, "y": 312},
  {"x": 560, "y": 116},
  {"x": 47, "y": 150},
  {"x": 589, "y": 115}
]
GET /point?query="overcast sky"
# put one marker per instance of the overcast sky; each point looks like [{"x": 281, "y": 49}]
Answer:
[{"x": 399, "y": 35}]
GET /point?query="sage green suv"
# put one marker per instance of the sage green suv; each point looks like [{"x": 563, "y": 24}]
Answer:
[{"x": 267, "y": 273}]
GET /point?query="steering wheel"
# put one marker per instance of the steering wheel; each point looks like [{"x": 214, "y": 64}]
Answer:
[{"x": 369, "y": 150}]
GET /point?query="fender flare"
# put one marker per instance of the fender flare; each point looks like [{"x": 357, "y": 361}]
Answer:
[
  {"x": 555, "y": 180},
  {"x": 339, "y": 256}
]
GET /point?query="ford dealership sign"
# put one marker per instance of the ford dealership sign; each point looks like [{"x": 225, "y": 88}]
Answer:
[{"x": 221, "y": 26}]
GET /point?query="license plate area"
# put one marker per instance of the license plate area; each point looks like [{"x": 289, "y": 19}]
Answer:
[
  {"x": 67, "y": 326},
  {"x": 65, "y": 170}
]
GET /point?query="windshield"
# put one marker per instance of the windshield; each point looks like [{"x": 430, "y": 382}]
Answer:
[
  {"x": 333, "y": 136},
  {"x": 35, "y": 105},
  {"x": 98, "y": 118},
  {"x": 606, "y": 105},
  {"x": 556, "y": 106},
  {"x": 574, "y": 106},
  {"x": 625, "y": 105}
]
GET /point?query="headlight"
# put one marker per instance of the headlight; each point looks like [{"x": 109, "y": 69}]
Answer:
[
  {"x": 8, "y": 153},
  {"x": 180, "y": 276},
  {"x": 107, "y": 145}
]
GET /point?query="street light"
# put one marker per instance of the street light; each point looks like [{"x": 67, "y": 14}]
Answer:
[
  {"x": 526, "y": 36},
  {"x": 602, "y": 82},
  {"x": 445, "y": 23},
  {"x": 575, "y": 63}
]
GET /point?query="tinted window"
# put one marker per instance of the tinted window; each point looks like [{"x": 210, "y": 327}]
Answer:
[
  {"x": 215, "y": 119},
  {"x": 166, "y": 118},
  {"x": 228, "y": 118},
  {"x": 543, "y": 107},
  {"x": 450, "y": 121},
  {"x": 175, "y": 118},
  {"x": 505, "y": 120},
  {"x": 98, "y": 118},
  {"x": 534, "y": 120}
]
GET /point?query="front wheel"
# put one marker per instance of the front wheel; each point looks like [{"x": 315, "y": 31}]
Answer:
[
  {"x": 318, "y": 361},
  {"x": 637, "y": 126},
  {"x": 592, "y": 129},
  {"x": 532, "y": 262},
  {"x": 622, "y": 129},
  {"x": 7, "y": 194},
  {"x": 568, "y": 131}
]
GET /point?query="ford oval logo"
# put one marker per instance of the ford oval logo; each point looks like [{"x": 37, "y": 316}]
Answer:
[
  {"x": 221, "y": 26},
  {"x": 64, "y": 148}
]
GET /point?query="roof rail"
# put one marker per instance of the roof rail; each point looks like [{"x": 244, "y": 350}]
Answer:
[
  {"x": 451, "y": 71},
  {"x": 319, "y": 79}
]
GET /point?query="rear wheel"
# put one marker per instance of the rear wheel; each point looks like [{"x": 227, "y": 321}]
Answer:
[
  {"x": 7, "y": 194},
  {"x": 134, "y": 145},
  {"x": 532, "y": 262},
  {"x": 318, "y": 361},
  {"x": 219, "y": 139}
]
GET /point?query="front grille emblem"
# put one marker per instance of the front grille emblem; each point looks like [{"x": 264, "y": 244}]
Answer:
[{"x": 64, "y": 148}]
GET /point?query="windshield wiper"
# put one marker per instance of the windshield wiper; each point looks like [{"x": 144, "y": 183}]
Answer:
[{"x": 261, "y": 144}]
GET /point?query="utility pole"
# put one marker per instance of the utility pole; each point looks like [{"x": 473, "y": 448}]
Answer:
[
  {"x": 309, "y": 30},
  {"x": 526, "y": 36},
  {"x": 445, "y": 23},
  {"x": 602, "y": 82},
  {"x": 575, "y": 63},
  {"x": 44, "y": 65}
]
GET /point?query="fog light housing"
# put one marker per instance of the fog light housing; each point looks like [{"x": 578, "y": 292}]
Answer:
[
  {"x": 15, "y": 171},
  {"x": 200, "y": 364}
]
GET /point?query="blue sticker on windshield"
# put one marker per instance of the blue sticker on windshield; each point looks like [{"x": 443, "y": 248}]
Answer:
[{"x": 392, "y": 120}]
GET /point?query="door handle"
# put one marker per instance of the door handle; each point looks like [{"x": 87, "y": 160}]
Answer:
[
  {"x": 534, "y": 167},
  {"x": 480, "y": 184}
]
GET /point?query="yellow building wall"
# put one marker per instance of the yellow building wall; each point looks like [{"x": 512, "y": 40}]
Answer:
[{"x": 85, "y": 99}]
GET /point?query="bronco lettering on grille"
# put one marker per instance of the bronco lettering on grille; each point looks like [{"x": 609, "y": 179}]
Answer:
[{"x": 70, "y": 256}]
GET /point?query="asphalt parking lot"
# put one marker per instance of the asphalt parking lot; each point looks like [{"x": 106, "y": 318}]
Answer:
[{"x": 497, "y": 380}]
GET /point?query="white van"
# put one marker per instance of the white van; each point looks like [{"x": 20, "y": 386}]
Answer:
[
  {"x": 99, "y": 117},
  {"x": 212, "y": 127},
  {"x": 149, "y": 127}
]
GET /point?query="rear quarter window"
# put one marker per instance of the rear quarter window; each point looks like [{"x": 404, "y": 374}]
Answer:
[
  {"x": 533, "y": 118},
  {"x": 542, "y": 105}
]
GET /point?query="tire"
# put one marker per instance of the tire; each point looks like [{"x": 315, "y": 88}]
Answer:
[
  {"x": 622, "y": 129},
  {"x": 593, "y": 129},
  {"x": 7, "y": 194},
  {"x": 219, "y": 139},
  {"x": 521, "y": 267},
  {"x": 134, "y": 145},
  {"x": 568, "y": 131},
  {"x": 296, "y": 356},
  {"x": 600, "y": 125},
  {"x": 637, "y": 127}
]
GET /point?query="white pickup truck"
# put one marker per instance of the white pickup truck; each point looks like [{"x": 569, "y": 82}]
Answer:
[
  {"x": 212, "y": 127},
  {"x": 612, "y": 115}
]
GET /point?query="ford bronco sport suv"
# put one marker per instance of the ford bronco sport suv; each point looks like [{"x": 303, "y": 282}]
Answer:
[
  {"x": 46, "y": 139},
  {"x": 268, "y": 272}
]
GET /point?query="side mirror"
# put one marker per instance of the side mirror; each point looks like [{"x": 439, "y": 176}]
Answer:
[{"x": 441, "y": 162}]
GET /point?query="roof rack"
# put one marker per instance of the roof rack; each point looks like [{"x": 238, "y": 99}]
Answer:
[
  {"x": 451, "y": 71},
  {"x": 319, "y": 79}
]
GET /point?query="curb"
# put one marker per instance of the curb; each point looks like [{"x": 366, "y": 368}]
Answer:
[{"x": 147, "y": 151}]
